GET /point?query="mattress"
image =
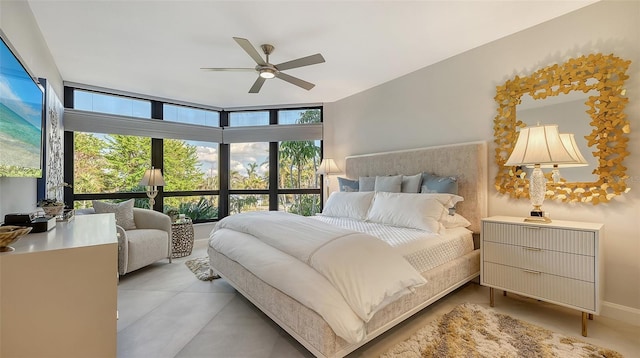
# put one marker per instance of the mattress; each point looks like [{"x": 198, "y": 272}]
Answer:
[{"x": 423, "y": 250}]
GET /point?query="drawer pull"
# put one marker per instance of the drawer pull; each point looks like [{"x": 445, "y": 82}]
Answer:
[
  {"x": 531, "y": 271},
  {"x": 531, "y": 248}
]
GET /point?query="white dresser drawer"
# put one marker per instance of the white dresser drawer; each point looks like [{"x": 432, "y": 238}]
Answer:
[
  {"x": 537, "y": 236},
  {"x": 579, "y": 267},
  {"x": 543, "y": 286}
]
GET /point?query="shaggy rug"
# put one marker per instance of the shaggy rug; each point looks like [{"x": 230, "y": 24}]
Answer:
[
  {"x": 200, "y": 267},
  {"x": 474, "y": 331}
]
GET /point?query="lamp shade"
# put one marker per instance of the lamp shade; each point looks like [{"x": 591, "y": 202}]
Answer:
[
  {"x": 328, "y": 166},
  {"x": 152, "y": 177},
  {"x": 539, "y": 145},
  {"x": 570, "y": 145}
]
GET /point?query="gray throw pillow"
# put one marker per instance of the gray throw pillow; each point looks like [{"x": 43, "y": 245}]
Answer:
[
  {"x": 411, "y": 183},
  {"x": 390, "y": 184},
  {"x": 367, "y": 183},
  {"x": 123, "y": 212}
]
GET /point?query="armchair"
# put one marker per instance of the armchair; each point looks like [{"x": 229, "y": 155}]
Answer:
[{"x": 149, "y": 242}]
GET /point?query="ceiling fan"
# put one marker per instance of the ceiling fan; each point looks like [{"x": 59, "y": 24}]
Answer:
[{"x": 267, "y": 70}]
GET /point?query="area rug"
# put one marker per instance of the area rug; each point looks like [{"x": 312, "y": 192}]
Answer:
[
  {"x": 200, "y": 267},
  {"x": 474, "y": 331}
]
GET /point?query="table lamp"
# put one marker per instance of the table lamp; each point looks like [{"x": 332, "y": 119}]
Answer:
[
  {"x": 327, "y": 167},
  {"x": 152, "y": 179},
  {"x": 539, "y": 146}
]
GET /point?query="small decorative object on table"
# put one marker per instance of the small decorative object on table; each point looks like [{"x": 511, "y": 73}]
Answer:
[
  {"x": 53, "y": 207},
  {"x": 10, "y": 234},
  {"x": 182, "y": 238},
  {"x": 173, "y": 214},
  {"x": 67, "y": 215}
]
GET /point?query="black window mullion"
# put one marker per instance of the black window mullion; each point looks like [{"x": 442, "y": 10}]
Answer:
[
  {"x": 157, "y": 157},
  {"x": 68, "y": 169},
  {"x": 224, "y": 157},
  {"x": 273, "y": 176},
  {"x": 273, "y": 165}
]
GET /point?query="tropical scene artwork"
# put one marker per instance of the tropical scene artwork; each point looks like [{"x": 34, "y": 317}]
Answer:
[{"x": 21, "y": 106}]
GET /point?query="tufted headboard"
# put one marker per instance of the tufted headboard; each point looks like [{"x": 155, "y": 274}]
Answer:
[{"x": 466, "y": 161}]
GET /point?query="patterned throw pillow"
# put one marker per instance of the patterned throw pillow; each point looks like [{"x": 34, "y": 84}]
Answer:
[
  {"x": 348, "y": 185},
  {"x": 432, "y": 183},
  {"x": 123, "y": 212}
]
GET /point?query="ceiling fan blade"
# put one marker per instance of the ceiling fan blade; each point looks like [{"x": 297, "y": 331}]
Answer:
[
  {"x": 303, "y": 61},
  {"x": 248, "y": 48},
  {"x": 227, "y": 69},
  {"x": 257, "y": 85},
  {"x": 294, "y": 80}
]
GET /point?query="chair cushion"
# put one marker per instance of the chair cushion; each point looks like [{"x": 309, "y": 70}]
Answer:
[{"x": 146, "y": 246}]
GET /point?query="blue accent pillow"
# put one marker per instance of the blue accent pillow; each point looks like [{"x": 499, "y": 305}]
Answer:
[
  {"x": 432, "y": 183},
  {"x": 348, "y": 184}
]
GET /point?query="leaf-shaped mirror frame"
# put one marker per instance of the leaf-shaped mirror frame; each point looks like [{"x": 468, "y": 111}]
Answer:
[{"x": 608, "y": 139}]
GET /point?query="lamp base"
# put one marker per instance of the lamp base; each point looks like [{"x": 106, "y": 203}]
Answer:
[{"x": 538, "y": 217}]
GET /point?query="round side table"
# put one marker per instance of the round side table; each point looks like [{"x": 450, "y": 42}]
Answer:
[{"x": 181, "y": 238}]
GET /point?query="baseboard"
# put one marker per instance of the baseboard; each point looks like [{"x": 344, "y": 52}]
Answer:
[{"x": 622, "y": 313}]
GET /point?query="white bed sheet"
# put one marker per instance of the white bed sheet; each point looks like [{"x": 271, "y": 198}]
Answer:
[{"x": 423, "y": 250}]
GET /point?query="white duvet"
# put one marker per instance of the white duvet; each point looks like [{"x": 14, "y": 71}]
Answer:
[{"x": 345, "y": 276}]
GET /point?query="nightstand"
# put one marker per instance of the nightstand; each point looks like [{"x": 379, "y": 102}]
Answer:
[
  {"x": 558, "y": 262},
  {"x": 181, "y": 238}
]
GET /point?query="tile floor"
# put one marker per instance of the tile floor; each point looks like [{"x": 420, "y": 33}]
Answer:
[{"x": 164, "y": 311}]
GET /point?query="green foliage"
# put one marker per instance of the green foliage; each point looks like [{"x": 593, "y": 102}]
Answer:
[
  {"x": 16, "y": 171},
  {"x": 181, "y": 166},
  {"x": 238, "y": 203},
  {"x": 89, "y": 163},
  {"x": 202, "y": 210},
  {"x": 305, "y": 204}
]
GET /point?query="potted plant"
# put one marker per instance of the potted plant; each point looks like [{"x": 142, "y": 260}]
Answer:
[
  {"x": 173, "y": 214},
  {"x": 53, "y": 207}
]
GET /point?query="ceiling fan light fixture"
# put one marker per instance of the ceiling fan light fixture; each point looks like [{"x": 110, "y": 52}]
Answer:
[{"x": 267, "y": 73}]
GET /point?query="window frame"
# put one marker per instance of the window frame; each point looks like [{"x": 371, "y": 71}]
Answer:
[{"x": 224, "y": 156}]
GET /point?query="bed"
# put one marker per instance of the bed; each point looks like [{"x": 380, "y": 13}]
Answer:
[{"x": 280, "y": 294}]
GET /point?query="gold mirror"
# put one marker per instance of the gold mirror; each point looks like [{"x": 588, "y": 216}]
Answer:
[{"x": 604, "y": 76}]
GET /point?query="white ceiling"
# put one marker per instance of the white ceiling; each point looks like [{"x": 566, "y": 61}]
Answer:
[{"x": 157, "y": 48}]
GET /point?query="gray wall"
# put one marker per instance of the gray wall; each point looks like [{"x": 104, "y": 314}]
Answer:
[{"x": 452, "y": 101}]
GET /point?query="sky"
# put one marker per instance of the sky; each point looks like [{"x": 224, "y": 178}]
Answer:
[{"x": 17, "y": 90}]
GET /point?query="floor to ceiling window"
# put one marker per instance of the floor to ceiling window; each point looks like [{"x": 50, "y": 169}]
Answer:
[{"x": 255, "y": 167}]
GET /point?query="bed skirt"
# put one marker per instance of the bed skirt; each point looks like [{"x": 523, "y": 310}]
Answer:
[{"x": 308, "y": 328}]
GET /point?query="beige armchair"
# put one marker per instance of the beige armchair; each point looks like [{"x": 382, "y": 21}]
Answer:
[{"x": 149, "y": 242}]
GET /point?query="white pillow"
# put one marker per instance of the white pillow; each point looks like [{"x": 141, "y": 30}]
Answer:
[
  {"x": 455, "y": 220},
  {"x": 353, "y": 205},
  {"x": 123, "y": 212},
  {"x": 416, "y": 211},
  {"x": 391, "y": 184},
  {"x": 446, "y": 199}
]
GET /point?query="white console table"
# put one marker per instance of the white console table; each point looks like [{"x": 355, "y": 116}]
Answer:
[{"x": 59, "y": 291}]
